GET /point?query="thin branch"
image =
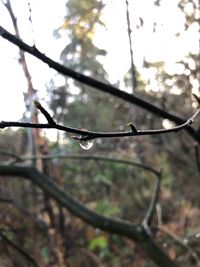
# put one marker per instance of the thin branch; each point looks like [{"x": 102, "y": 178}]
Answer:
[
  {"x": 82, "y": 157},
  {"x": 181, "y": 242},
  {"x": 6, "y": 200},
  {"x": 154, "y": 199},
  {"x": 84, "y": 135},
  {"x": 117, "y": 226},
  {"x": 175, "y": 237},
  {"x": 44, "y": 112},
  {"x": 10, "y": 154},
  {"x": 32, "y": 135},
  {"x": 19, "y": 249},
  {"x": 133, "y": 73},
  {"x": 94, "y": 83},
  {"x": 31, "y": 21}
]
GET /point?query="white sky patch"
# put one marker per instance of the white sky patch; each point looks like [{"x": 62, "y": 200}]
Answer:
[{"x": 163, "y": 45}]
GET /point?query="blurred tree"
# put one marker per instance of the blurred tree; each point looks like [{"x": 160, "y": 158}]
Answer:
[
  {"x": 173, "y": 90},
  {"x": 80, "y": 54}
]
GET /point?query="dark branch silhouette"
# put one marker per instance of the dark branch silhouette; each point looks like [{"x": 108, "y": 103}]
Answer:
[
  {"x": 19, "y": 249},
  {"x": 95, "y": 83},
  {"x": 95, "y": 157},
  {"x": 84, "y": 135},
  {"x": 136, "y": 232},
  {"x": 154, "y": 199}
]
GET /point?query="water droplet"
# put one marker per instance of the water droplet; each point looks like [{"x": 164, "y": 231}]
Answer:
[
  {"x": 86, "y": 144},
  {"x": 165, "y": 245},
  {"x": 197, "y": 235}
]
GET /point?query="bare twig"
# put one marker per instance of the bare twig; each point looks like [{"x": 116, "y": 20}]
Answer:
[
  {"x": 44, "y": 112},
  {"x": 84, "y": 135},
  {"x": 84, "y": 157},
  {"x": 6, "y": 200},
  {"x": 175, "y": 237},
  {"x": 19, "y": 249},
  {"x": 179, "y": 241},
  {"x": 10, "y": 154},
  {"x": 154, "y": 199},
  {"x": 31, "y": 21},
  {"x": 95, "y": 83},
  {"x": 33, "y": 136},
  {"x": 133, "y": 74}
]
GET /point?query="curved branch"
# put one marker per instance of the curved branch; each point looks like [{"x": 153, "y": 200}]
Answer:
[
  {"x": 84, "y": 135},
  {"x": 154, "y": 199},
  {"x": 95, "y": 83},
  {"x": 81, "y": 157},
  {"x": 134, "y": 231}
]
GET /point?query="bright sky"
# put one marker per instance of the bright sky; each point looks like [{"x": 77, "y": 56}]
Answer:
[{"x": 48, "y": 15}]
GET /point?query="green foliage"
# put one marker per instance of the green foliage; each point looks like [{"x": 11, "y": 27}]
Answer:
[
  {"x": 102, "y": 180},
  {"x": 101, "y": 245},
  {"x": 106, "y": 208},
  {"x": 9, "y": 234},
  {"x": 99, "y": 242},
  {"x": 44, "y": 252}
]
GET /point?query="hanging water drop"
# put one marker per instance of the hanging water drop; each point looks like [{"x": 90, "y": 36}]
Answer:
[
  {"x": 197, "y": 235},
  {"x": 86, "y": 144}
]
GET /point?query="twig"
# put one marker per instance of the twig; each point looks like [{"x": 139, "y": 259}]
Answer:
[
  {"x": 88, "y": 157},
  {"x": 133, "y": 73},
  {"x": 173, "y": 236},
  {"x": 84, "y": 135},
  {"x": 31, "y": 21},
  {"x": 181, "y": 242},
  {"x": 19, "y": 249},
  {"x": 6, "y": 200},
  {"x": 32, "y": 135},
  {"x": 154, "y": 199},
  {"x": 10, "y": 154},
  {"x": 44, "y": 112},
  {"x": 95, "y": 83}
]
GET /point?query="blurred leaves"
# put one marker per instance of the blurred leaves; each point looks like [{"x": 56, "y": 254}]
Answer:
[
  {"x": 106, "y": 208},
  {"x": 99, "y": 242}
]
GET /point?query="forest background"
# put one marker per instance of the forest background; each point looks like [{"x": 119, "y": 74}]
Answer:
[{"x": 101, "y": 172}]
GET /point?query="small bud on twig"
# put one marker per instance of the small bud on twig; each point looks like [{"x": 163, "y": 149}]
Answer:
[
  {"x": 44, "y": 112},
  {"x": 37, "y": 104},
  {"x": 75, "y": 137},
  {"x": 132, "y": 126}
]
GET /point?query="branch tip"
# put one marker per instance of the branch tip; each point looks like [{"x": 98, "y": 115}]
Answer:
[
  {"x": 37, "y": 104},
  {"x": 132, "y": 126},
  {"x": 44, "y": 112}
]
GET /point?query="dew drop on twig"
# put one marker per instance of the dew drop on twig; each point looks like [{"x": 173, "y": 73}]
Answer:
[
  {"x": 165, "y": 245},
  {"x": 197, "y": 235},
  {"x": 86, "y": 144}
]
